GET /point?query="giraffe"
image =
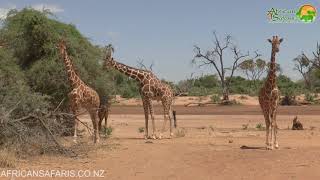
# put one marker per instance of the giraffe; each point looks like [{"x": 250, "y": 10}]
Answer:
[
  {"x": 150, "y": 88},
  {"x": 81, "y": 96},
  {"x": 269, "y": 97}
]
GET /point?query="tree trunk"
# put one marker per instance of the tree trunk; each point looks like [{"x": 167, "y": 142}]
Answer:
[
  {"x": 225, "y": 93},
  {"x": 225, "y": 90},
  {"x": 307, "y": 83}
]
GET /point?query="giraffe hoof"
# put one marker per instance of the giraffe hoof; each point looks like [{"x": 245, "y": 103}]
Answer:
[
  {"x": 269, "y": 148},
  {"x": 154, "y": 136},
  {"x": 276, "y": 146},
  {"x": 171, "y": 135}
]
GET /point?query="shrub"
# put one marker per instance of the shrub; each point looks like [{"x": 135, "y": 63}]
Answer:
[
  {"x": 215, "y": 98},
  {"x": 245, "y": 126},
  {"x": 260, "y": 127},
  {"x": 309, "y": 97},
  {"x": 107, "y": 131},
  {"x": 141, "y": 129}
]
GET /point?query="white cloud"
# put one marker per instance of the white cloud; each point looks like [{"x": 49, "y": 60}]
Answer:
[
  {"x": 4, "y": 12},
  {"x": 51, "y": 7}
]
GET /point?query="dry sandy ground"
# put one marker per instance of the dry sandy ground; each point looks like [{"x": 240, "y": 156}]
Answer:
[
  {"x": 210, "y": 149},
  {"x": 180, "y": 101},
  {"x": 243, "y": 99}
]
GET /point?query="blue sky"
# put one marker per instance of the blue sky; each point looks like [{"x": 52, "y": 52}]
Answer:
[{"x": 164, "y": 32}]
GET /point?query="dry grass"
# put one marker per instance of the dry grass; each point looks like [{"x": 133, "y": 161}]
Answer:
[
  {"x": 181, "y": 132},
  {"x": 7, "y": 158},
  {"x": 260, "y": 127}
]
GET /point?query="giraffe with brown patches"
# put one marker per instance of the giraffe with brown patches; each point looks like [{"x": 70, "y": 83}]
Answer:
[
  {"x": 269, "y": 97},
  {"x": 150, "y": 88},
  {"x": 81, "y": 96}
]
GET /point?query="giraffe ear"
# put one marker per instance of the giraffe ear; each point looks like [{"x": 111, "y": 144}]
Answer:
[
  {"x": 269, "y": 40},
  {"x": 281, "y": 40}
]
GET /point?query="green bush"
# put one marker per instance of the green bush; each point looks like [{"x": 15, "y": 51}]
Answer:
[
  {"x": 309, "y": 97},
  {"x": 33, "y": 36},
  {"x": 215, "y": 98}
]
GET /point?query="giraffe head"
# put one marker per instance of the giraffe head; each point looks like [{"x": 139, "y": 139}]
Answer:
[
  {"x": 62, "y": 46},
  {"x": 108, "y": 57},
  {"x": 275, "y": 42}
]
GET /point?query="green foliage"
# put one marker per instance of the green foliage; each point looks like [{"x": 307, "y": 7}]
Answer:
[
  {"x": 107, "y": 131},
  {"x": 215, "y": 98},
  {"x": 260, "y": 127},
  {"x": 33, "y": 37},
  {"x": 207, "y": 81},
  {"x": 288, "y": 87},
  {"x": 125, "y": 86},
  {"x": 15, "y": 94},
  {"x": 239, "y": 85},
  {"x": 141, "y": 129},
  {"x": 202, "y": 86},
  {"x": 309, "y": 97}
]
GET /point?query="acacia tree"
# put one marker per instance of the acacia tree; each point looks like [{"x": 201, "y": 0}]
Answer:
[
  {"x": 253, "y": 69},
  {"x": 304, "y": 67},
  {"x": 215, "y": 57}
]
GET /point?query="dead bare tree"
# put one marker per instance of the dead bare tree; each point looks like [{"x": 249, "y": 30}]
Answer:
[
  {"x": 316, "y": 57},
  {"x": 215, "y": 57},
  {"x": 304, "y": 66}
]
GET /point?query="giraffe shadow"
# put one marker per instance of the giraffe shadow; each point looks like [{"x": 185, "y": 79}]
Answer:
[{"x": 253, "y": 147}]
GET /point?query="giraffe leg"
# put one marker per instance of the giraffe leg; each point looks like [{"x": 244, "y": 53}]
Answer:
[
  {"x": 146, "y": 117},
  {"x": 163, "y": 129},
  {"x": 106, "y": 115},
  {"x": 152, "y": 118},
  {"x": 269, "y": 132},
  {"x": 95, "y": 123},
  {"x": 266, "y": 117},
  {"x": 100, "y": 115},
  {"x": 75, "y": 119},
  {"x": 167, "y": 111},
  {"x": 272, "y": 133},
  {"x": 171, "y": 122},
  {"x": 276, "y": 144}
]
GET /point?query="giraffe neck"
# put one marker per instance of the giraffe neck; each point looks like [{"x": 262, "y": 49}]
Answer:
[
  {"x": 134, "y": 73},
  {"x": 271, "y": 79},
  {"x": 72, "y": 75}
]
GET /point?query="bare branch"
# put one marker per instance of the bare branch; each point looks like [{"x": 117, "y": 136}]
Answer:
[
  {"x": 141, "y": 65},
  {"x": 199, "y": 56}
]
